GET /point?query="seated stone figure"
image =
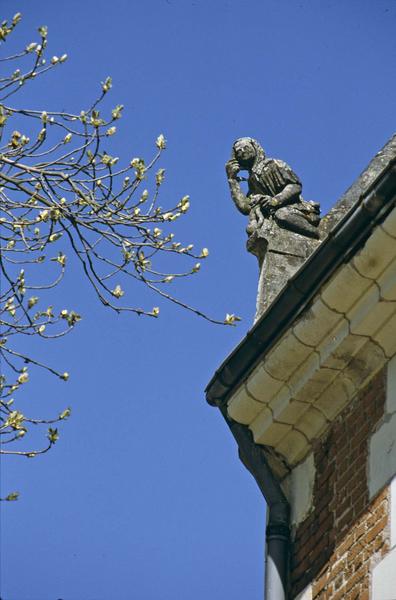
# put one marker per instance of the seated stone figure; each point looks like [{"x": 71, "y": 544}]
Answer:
[{"x": 274, "y": 191}]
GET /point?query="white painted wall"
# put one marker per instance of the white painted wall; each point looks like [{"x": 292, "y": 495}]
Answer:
[
  {"x": 384, "y": 573},
  {"x": 384, "y": 578},
  {"x": 298, "y": 488},
  {"x": 382, "y": 449},
  {"x": 392, "y": 513}
]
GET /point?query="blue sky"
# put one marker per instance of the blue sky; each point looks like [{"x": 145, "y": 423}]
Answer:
[{"x": 143, "y": 497}]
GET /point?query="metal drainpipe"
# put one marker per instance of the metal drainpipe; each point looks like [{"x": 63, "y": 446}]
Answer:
[
  {"x": 277, "y": 553},
  {"x": 278, "y": 526}
]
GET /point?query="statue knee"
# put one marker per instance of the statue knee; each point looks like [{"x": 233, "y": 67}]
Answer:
[{"x": 282, "y": 215}]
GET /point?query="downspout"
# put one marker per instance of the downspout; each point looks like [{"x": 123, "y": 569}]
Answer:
[{"x": 278, "y": 524}]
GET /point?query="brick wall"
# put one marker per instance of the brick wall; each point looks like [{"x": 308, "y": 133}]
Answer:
[{"x": 336, "y": 544}]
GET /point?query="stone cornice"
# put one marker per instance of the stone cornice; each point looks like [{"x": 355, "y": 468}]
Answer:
[{"x": 327, "y": 355}]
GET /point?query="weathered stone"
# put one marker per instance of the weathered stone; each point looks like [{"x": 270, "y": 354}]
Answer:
[
  {"x": 283, "y": 227},
  {"x": 335, "y": 398},
  {"x": 243, "y": 408},
  {"x": 287, "y": 355},
  {"x": 280, "y": 254},
  {"x": 312, "y": 423},
  {"x": 315, "y": 323},
  {"x": 389, "y": 225},
  {"x": 271, "y": 436},
  {"x": 291, "y": 412},
  {"x": 377, "y": 253},
  {"x": 344, "y": 289},
  {"x": 352, "y": 195},
  {"x": 262, "y": 386},
  {"x": 293, "y": 447},
  {"x": 386, "y": 337},
  {"x": 387, "y": 282}
]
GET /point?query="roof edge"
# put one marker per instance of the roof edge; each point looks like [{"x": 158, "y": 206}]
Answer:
[{"x": 343, "y": 241}]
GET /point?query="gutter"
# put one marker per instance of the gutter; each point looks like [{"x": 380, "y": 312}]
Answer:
[{"x": 343, "y": 241}]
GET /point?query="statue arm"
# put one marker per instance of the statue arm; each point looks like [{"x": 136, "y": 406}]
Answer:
[
  {"x": 289, "y": 194},
  {"x": 241, "y": 201}
]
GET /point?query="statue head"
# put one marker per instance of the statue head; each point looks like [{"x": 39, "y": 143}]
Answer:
[{"x": 247, "y": 152}]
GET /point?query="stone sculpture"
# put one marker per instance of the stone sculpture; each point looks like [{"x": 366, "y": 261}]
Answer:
[
  {"x": 283, "y": 227},
  {"x": 274, "y": 191}
]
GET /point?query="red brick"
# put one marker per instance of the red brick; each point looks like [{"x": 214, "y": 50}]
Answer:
[
  {"x": 376, "y": 530},
  {"x": 340, "y": 595},
  {"x": 356, "y": 577},
  {"x": 324, "y": 527},
  {"x": 302, "y": 567},
  {"x": 306, "y": 534},
  {"x": 323, "y": 501},
  {"x": 359, "y": 487},
  {"x": 378, "y": 543},
  {"x": 339, "y": 567},
  {"x": 321, "y": 583},
  {"x": 359, "y": 505},
  {"x": 345, "y": 522},
  {"x": 344, "y": 503},
  {"x": 363, "y": 434}
]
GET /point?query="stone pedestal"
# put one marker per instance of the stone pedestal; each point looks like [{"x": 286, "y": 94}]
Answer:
[{"x": 280, "y": 253}]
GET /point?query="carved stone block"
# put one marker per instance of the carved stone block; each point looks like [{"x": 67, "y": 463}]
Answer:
[{"x": 280, "y": 253}]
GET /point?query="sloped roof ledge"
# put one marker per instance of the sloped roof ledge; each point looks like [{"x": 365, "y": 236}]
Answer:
[
  {"x": 283, "y": 378},
  {"x": 350, "y": 233}
]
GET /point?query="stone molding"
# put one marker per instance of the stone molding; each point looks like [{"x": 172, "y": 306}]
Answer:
[{"x": 327, "y": 356}]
